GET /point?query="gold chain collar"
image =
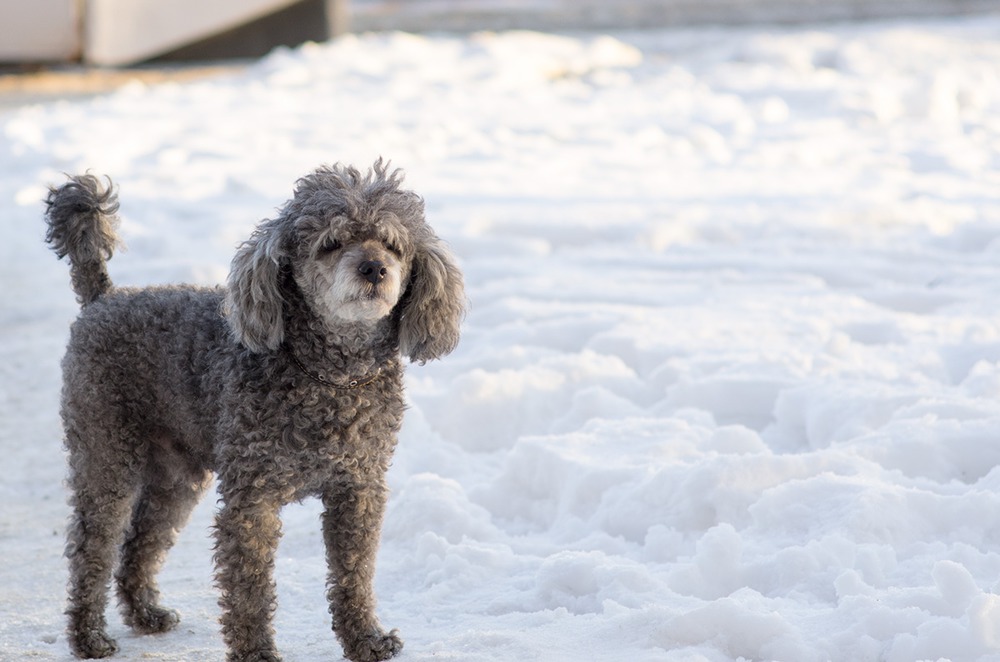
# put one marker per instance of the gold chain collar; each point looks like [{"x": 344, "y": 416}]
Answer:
[{"x": 320, "y": 379}]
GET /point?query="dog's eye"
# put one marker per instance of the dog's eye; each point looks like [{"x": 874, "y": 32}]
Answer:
[
  {"x": 330, "y": 245},
  {"x": 393, "y": 248}
]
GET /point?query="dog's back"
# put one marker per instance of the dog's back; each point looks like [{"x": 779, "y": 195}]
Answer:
[
  {"x": 139, "y": 357},
  {"x": 124, "y": 336}
]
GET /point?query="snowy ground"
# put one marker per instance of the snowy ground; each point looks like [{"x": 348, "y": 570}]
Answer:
[{"x": 730, "y": 384}]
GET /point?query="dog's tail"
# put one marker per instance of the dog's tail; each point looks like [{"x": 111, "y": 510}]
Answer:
[{"x": 82, "y": 217}]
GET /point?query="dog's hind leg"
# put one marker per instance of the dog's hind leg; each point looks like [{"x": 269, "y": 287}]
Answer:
[
  {"x": 102, "y": 498},
  {"x": 161, "y": 509}
]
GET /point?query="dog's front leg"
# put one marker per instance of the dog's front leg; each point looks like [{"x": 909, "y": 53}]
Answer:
[
  {"x": 247, "y": 533},
  {"x": 352, "y": 523}
]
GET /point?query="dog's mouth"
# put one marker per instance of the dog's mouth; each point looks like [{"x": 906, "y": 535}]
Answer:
[{"x": 369, "y": 293}]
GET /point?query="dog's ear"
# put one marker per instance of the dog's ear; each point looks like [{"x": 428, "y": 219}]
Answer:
[
  {"x": 434, "y": 304},
  {"x": 254, "y": 304}
]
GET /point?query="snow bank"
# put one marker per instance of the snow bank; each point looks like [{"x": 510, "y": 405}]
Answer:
[{"x": 730, "y": 384}]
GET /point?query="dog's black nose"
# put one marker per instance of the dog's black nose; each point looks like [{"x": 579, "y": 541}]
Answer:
[{"x": 373, "y": 271}]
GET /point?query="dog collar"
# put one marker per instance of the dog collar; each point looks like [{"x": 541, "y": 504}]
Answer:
[{"x": 320, "y": 379}]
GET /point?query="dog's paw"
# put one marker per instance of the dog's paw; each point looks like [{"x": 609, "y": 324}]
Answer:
[
  {"x": 374, "y": 646},
  {"x": 154, "y": 619},
  {"x": 256, "y": 656},
  {"x": 92, "y": 644}
]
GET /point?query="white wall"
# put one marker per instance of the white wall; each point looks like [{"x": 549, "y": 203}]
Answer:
[
  {"x": 123, "y": 31},
  {"x": 113, "y": 32},
  {"x": 39, "y": 30}
]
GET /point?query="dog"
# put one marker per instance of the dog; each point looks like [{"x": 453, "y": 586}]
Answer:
[{"x": 286, "y": 383}]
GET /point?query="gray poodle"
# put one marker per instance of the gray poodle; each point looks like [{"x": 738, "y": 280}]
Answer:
[{"x": 286, "y": 384}]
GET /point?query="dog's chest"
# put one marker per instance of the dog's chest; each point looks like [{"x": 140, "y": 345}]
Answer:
[
  {"x": 292, "y": 437},
  {"x": 325, "y": 425}
]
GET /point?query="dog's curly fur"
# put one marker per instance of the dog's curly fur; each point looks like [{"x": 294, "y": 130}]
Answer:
[{"x": 252, "y": 382}]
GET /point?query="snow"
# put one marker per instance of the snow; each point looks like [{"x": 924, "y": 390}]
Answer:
[{"x": 729, "y": 388}]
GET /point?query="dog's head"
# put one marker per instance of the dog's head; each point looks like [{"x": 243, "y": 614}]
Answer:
[{"x": 359, "y": 250}]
